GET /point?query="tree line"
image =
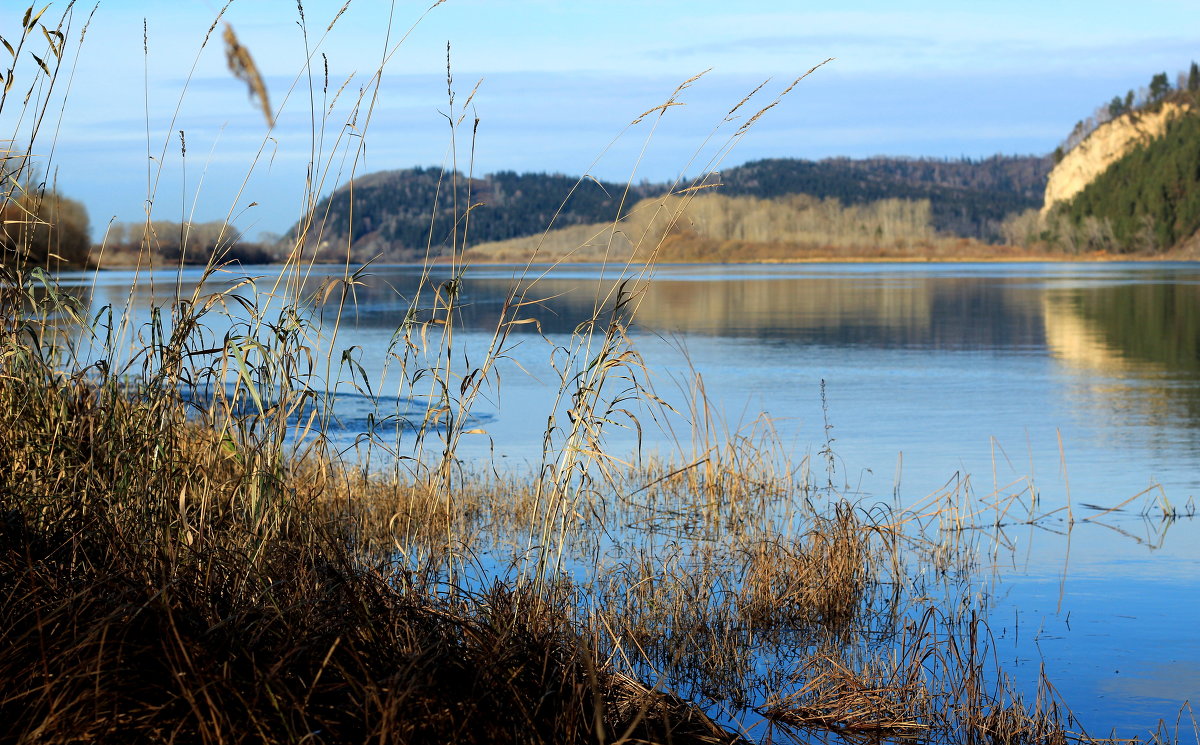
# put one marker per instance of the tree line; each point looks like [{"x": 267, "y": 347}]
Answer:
[
  {"x": 710, "y": 226},
  {"x": 404, "y": 215},
  {"x": 969, "y": 198},
  {"x": 39, "y": 225},
  {"x": 181, "y": 243},
  {"x": 44, "y": 229},
  {"x": 1160, "y": 90}
]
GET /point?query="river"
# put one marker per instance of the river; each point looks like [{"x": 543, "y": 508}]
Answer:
[{"x": 1077, "y": 382}]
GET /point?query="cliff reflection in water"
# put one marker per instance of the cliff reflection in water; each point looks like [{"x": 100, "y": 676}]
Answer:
[
  {"x": 1133, "y": 348},
  {"x": 1121, "y": 327}
]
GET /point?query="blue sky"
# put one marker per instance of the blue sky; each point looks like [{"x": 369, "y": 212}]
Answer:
[{"x": 562, "y": 78}]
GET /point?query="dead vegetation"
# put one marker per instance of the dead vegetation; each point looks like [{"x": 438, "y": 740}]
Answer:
[{"x": 182, "y": 559}]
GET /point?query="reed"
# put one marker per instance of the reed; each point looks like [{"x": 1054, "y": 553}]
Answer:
[{"x": 184, "y": 558}]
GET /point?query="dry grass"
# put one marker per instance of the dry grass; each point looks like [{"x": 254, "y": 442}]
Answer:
[
  {"x": 819, "y": 579},
  {"x": 182, "y": 560},
  {"x": 145, "y": 599},
  {"x": 692, "y": 226}
]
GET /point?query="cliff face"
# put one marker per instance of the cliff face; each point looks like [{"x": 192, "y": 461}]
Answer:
[{"x": 1108, "y": 144}]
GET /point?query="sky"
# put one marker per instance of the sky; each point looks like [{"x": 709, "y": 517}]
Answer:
[{"x": 557, "y": 85}]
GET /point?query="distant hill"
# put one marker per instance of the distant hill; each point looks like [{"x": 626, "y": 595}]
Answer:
[
  {"x": 968, "y": 198},
  {"x": 401, "y": 213},
  {"x": 393, "y": 213}
]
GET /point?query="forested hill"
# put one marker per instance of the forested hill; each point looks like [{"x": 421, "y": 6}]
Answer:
[
  {"x": 394, "y": 211},
  {"x": 394, "y": 215},
  {"x": 969, "y": 198}
]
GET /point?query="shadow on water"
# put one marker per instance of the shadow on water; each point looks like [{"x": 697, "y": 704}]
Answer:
[{"x": 356, "y": 417}]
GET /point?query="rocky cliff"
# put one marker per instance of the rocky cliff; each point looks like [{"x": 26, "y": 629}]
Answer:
[{"x": 1108, "y": 144}]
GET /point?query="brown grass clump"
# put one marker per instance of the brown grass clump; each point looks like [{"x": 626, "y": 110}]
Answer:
[
  {"x": 1014, "y": 725},
  {"x": 144, "y": 602},
  {"x": 818, "y": 579},
  {"x": 879, "y": 700}
]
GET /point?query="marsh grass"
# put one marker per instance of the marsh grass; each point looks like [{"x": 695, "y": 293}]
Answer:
[
  {"x": 129, "y": 618},
  {"x": 183, "y": 557}
]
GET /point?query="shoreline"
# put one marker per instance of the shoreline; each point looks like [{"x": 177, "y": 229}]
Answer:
[{"x": 1038, "y": 258}]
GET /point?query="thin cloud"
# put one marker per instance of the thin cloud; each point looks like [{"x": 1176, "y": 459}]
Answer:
[{"x": 910, "y": 54}]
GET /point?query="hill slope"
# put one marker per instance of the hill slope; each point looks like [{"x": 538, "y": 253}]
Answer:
[
  {"x": 393, "y": 212},
  {"x": 401, "y": 213}
]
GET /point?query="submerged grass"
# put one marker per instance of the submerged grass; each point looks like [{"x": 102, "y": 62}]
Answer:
[{"x": 182, "y": 558}]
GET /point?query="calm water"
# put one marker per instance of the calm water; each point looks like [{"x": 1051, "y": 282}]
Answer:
[{"x": 931, "y": 373}]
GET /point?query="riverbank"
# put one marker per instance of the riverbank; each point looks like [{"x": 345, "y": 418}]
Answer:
[
  {"x": 689, "y": 248},
  {"x": 997, "y": 254},
  {"x": 170, "y": 582},
  {"x": 167, "y": 580}
]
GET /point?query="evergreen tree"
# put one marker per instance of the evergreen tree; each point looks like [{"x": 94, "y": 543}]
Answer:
[
  {"x": 1160, "y": 86},
  {"x": 1116, "y": 107},
  {"x": 1193, "y": 82}
]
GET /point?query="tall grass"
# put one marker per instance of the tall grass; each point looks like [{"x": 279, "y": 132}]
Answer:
[{"x": 184, "y": 558}]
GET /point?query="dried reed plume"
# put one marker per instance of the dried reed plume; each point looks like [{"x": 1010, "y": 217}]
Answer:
[{"x": 241, "y": 64}]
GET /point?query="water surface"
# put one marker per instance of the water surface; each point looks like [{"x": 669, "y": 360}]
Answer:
[{"x": 1079, "y": 383}]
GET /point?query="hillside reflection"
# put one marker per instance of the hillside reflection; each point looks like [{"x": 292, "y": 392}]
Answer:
[
  {"x": 921, "y": 312},
  {"x": 1120, "y": 327},
  {"x": 1129, "y": 337}
]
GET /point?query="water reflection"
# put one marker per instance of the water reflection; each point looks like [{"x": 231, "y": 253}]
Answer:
[
  {"x": 884, "y": 311},
  {"x": 1156, "y": 321},
  {"x": 940, "y": 362},
  {"x": 1128, "y": 334},
  {"x": 1106, "y": 324},
  {"x": 1125, "y": 327},
  {"x": 1131, "y": 348}
]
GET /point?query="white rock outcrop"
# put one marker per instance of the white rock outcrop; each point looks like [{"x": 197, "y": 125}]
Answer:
[{"x": 1103, "y": 147}]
